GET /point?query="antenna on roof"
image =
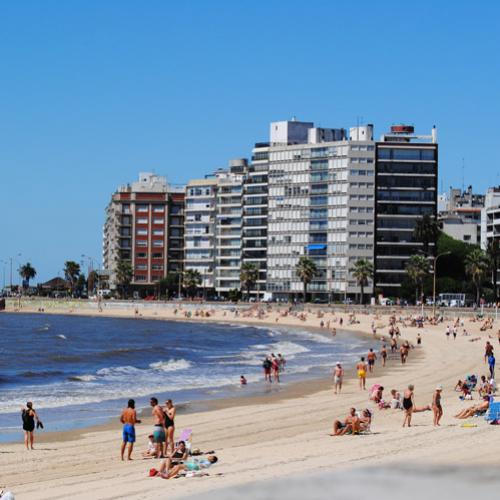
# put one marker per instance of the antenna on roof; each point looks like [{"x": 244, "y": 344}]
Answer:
[{"x": 463, "y": 176}]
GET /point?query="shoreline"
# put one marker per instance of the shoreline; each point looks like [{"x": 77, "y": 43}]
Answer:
[
  {"x": 265, "y": 393},
  {"x": 262, "y": 440}
]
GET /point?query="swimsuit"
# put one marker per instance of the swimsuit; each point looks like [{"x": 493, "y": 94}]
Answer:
[
  {"x": 169, "y": 422},
  {"x": 28, "y": 421},
  {"x": 158, "y": 434},
  {"x": 361, "y": 373},
  {"x": 128, "y": 433},
  {"x": 407, "y": 404}
]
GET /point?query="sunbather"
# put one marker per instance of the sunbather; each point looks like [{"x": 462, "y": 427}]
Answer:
[
  {"x": 479, "y": 409},
  {"x": 168, "y": 471},
  {"x": 351, "y": 424}
]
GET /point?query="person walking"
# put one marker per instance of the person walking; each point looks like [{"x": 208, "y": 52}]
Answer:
[
  {"x": 436, "y": 405},
  {"x": 491, "y": 364},
  {"x": 338, "y": 377},
  {"x": 408, "y": 404},
  {"x": 128, "y": 418},
  {"x": 361, "y": 368},
  {"x": 29, "y": 416}
]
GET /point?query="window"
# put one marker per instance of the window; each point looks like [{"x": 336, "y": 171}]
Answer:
[
  {"x": 141, "y": 267},
  {"x": 142, "y": 208},
  {"x": 157, "y": 255},
  {"x": 157, "y": 232},
  {"x": 157, "y": 243},
  {"x": 126, "y": 209},
  {"x": 158, "y": 209},
  {"x": 139, "y": 278},
  {"x": 158, "y": 221},
  {"x": 142, "y": 220},
  {"x": 142, "y": 232},
  {"x": 141, "y": 255},
  {"x": 157, "y": 267},
  {"x": 141, "y": 243}
]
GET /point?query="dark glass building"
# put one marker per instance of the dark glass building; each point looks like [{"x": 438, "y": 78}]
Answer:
[{"x": 406, "y": 176}]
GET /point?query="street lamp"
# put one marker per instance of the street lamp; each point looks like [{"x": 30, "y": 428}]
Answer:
[
  {"x": 11, "y": 259},
  {"x": 434, "y": 283}
]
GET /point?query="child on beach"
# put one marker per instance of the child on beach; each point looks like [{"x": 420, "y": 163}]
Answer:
[{"x": 151, "y": 449}]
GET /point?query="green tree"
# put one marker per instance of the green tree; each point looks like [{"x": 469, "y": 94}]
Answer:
[
  {"x": 426, "y": 231},
  {"x": 493, "y": 253},
  {"x": 249, "y": 275},
  {"x": 363, "y": 271},
  {"x": 417, "y": 269},
  {"x": 124, "y": 275},
  {"x": 71, "y": 273},
  {"x": 169, "y": 284},
  {"x": 476, "y": 266},
  {"x": 191, "y": 281},
  {"x": 81, "y": 283},
  {"x": 306, "y": 270},
  {"x": 27, "y": 272}
]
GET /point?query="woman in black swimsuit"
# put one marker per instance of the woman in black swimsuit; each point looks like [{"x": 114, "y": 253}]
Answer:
[
  {"x": 169, "y": 412},
  {"x": 29, "y": 416},
  {"x": 408, "y": 405}
]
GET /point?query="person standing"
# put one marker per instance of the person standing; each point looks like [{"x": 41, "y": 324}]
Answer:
[
  {"x": 266, "y": 365},
  {"x": 419, "y": 339},
  {"x": 128, "y": 418},
  {"x": 371, "y": 357},
  {"x": 491, "y": 364},
  {"x": 29, "y": 417},
  {"x": 338, "y": 377},
  {"x": 408, "y": 404},
  {"x": 383, "y": 354},
  {"x": 362, "y": 369},
  {"x": 169, "y": 412},
  {"x": 488, "y": 350},
  {"x": 158, "y": 426},
  {"x": 436, "y": 405}
]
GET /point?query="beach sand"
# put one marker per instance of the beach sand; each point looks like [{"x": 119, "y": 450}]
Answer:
[{"x": 266, "y": 438}]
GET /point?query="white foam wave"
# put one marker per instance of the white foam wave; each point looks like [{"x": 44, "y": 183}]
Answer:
[
  {"x": 171, "y": 366},
  {"x": 83, "y": 378}
]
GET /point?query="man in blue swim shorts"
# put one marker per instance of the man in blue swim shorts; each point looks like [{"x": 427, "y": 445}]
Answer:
[{"x": 129, "y": 418}]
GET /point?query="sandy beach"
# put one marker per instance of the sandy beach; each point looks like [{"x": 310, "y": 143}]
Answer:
[{"x": 267, "y": 438}]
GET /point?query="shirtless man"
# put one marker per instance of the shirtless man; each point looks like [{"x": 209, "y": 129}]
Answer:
[
  {"x": 488, "y": 350},
  {"x": 383, "y": 354},
  {"x": 158, "y": 426},
  {"x": 371, "y": 357},
  {"x": 129, "y": 418},
  {"x": 351, "y": 423},
  {"x": 403, "y": 351},
  {"x": 362, "y": 369},
  {"x": 338, "y": 377}
]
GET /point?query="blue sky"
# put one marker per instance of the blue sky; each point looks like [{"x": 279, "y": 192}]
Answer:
[{"x": 93, "y": 92}]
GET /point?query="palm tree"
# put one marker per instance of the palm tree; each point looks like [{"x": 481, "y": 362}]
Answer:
[
  {"x": 191, "y": 280},
  {"x": 417, "y": 269},
  {"x": 71, "y": 273},
  {"x": 27, "y": 272},
  {"x": 476, "y": 266},
  {"x": 493, "y": 253},
  {"x": 124, "y": 275},
  {"x": 306, "y": 270},
  {"x": 426, "y": 231},
  {"x": 249, "y": 275},
  {"x": 363, "y": 271}
]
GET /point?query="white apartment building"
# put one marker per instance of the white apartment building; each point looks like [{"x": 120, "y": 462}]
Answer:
[
  {"x": 213, "y": 227},
  {"x": 321, "y": 204},
  {"x": 490, "y": 217}
]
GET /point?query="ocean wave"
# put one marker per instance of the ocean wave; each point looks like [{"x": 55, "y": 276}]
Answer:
[
  {"x": 82, "y": 378},
  {"x": 171, "y": 365},
  {"x": 40, "y": 374}
]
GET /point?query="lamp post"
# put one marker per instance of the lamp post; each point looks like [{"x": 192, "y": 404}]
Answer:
[
  {"x": 434, "y": 283},
  {"x": 11, "y": 259}
]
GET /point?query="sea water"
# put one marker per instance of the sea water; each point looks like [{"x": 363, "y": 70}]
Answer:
[{"x": 80, "y": 371}]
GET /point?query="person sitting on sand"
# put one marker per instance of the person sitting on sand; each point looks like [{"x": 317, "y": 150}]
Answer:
[
  {"x": 167, "y": 470},
  {"x": 396, "y": 403},
  {"x": 180, "y": 453},
  {"x": 479, "y": 409},
  {"x": 377, "y": 394},
  {"x": 150, "y": 452},
  {"x": 351, "y": 424}
]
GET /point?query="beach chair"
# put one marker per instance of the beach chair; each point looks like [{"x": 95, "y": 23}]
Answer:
[
  {"x": 185, "y": 436},
  {"x": 493, "y": 412}
]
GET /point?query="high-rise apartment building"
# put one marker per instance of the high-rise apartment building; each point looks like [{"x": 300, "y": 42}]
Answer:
[
  {"x": 406, "y": 190},
  {"x": 321, "y": 205},
  {"x": 144, "y": 226}
]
